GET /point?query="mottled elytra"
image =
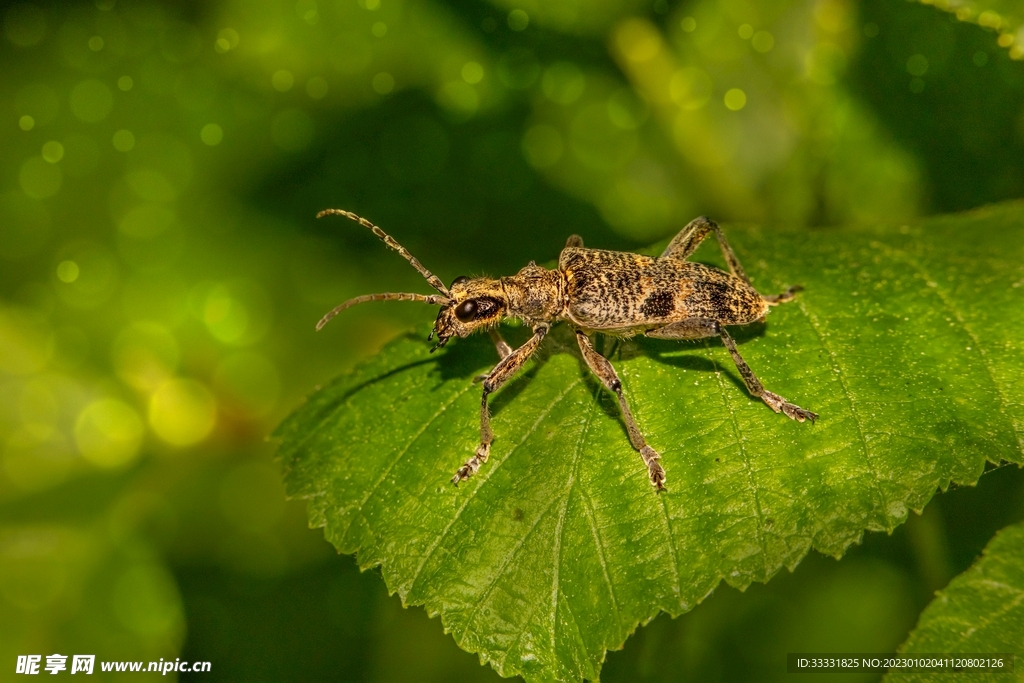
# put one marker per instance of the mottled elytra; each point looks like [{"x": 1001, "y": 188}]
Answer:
[{"x": 610, "y": 292}]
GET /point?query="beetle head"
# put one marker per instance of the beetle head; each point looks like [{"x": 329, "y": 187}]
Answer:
[{"x": 475, "y": 303}]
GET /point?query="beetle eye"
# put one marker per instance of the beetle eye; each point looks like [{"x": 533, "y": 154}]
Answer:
[
  {"x": 458, "y": 281},
  {"x": 466, "y": 310}
]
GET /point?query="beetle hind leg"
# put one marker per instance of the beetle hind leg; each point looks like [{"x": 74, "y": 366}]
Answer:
[{"x": 788, "y": 295}]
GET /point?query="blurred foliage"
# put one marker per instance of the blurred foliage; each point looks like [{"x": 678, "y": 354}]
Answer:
[
  {"x": 982, "y": 610},
  {"x": 1004, "y": 16},
  {"x": 160, "y": 270}
]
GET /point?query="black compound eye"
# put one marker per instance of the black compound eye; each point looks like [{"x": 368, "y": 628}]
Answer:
[
  {"x": 466, "y": 311},
  {"x": 458, "y": 281}
]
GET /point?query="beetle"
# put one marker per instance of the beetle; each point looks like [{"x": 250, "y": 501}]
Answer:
[{"x": 595, "y": 290}]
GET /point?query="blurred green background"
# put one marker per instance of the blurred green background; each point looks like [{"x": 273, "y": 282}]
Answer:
[{"x": 161, "y": 273}]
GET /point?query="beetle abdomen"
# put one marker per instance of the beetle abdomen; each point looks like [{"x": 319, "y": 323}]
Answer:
[{"x": 609, "y": 290}]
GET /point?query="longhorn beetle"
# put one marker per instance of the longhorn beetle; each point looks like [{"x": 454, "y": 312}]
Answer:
[{"x": 594, "y": 290}]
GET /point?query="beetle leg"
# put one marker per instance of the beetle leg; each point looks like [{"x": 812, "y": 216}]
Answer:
[
  {"x": 774, "y": 401},
  {"x": 606, "y": 373},
  {"x": 689, "y": 328},
  {"x": 788, "y": 295},
  {"x": 500, "y": 345},
  {"x": 697, "y": 328},
  {"x": 574, "y": 241},
  {"x": 690, "y": 237},
  {"x": 502, "y": 372}
]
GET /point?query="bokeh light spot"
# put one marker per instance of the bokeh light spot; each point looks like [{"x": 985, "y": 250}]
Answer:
[
  {"x": 237, "y": 313},
  {"x": 472, "y": 72},
  {"x": 746, "y": 31},
  {"x": 735, "y": 99},
  {"x": 762, "y": 41},
  {"x": 98, "y": 276},
  {"x": 39, "y": 101},
  {"x": 96, "y": 43},
  {"x": 125, "y": 83},
  {"x": 40, "y": 179},
  {"x": 638, "y": 40},
  {"x": 917, "y": 65},
  {"x": 542, "y": 145},
  {"x": 292, "y": 130},
  {"x": 24, "y": 24},
  {"x": 124, "y": 141},
  {"x": 108, "y": 433},
  {"x": 227, "y": 40},
  {"x": 67, "y": 271},
  {"x": 91, "y": 101},
  {"x": 211, "y": 134},
  {"x": 379, "y": 29},
  {"x": 688, "y": 24},
  {"x": 563, "y": 83},
  {"x": 316, "y": 88},
  {"x": 370, "y": 4},
  {"x": 383, "y": 83},
  {"x": 145, "y": 355},
  {"x": 307, "y": 11},
  {"x": 626, "y": 110},
  {"x": 282, "y": 80},
  {"x": 26, "y": 123},
  {"x": 182, "y": 412},
  {"x": 518, "y": 20},
  {"x": 53, "y": 151},
  {"x": 226, "y": 318},
  {"x": 458, "y": 98},
  {"x": 691, "y": 88}
]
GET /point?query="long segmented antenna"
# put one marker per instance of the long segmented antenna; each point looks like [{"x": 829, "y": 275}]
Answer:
[
  {"x": 432, "y": 299},
  {"x": 434, "y": 281}
]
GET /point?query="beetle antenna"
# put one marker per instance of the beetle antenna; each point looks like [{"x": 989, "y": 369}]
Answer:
[
  {"x": 431, "y": 299},
  {"x": 434, "y": 281}
]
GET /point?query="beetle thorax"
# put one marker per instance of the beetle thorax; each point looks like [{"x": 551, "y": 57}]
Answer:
[{"x": 535, "y": 294}]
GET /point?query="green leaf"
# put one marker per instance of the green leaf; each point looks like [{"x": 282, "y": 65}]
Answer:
[
  {"x": 906, "y": 341},
  {"x": 980, "y": 611},
  {"x": 1006, "y": 17}
]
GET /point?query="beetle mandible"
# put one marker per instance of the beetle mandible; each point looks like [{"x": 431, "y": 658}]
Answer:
[{"x": 594, "y": 290}]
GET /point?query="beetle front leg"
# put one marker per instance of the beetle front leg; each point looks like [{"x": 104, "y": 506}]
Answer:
[
  {"x": 602, "y": 367},
  {"x": 501, "y": 346},
  {"x": 501, "y": 373}
]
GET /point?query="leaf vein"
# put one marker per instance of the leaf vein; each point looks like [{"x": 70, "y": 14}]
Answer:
[{"x": 490, "y": 471}]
